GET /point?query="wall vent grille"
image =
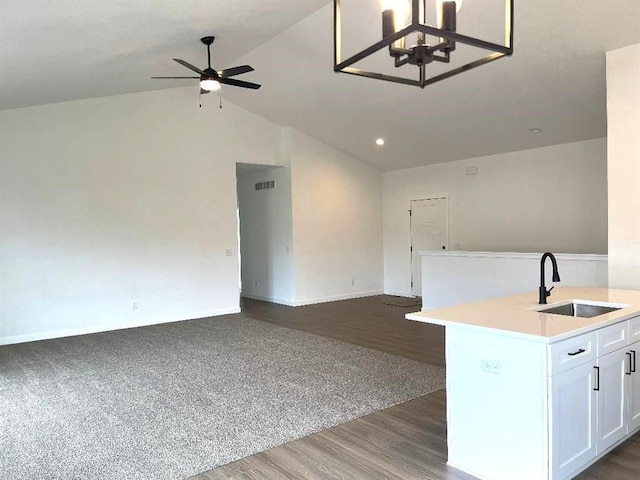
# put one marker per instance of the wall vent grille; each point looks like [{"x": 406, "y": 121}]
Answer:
[{"x": 269, "y": 184}]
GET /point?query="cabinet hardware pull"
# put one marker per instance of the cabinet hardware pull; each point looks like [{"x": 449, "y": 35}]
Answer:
[
  {"x": 582, "y": 350},
  {"x": 628, "y": 372},
  {"x": 597, "y": 387},
  {"x": 633, "y": 369}
]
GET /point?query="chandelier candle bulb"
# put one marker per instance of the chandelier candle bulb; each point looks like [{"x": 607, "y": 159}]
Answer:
[
  {"x": 389, "y": 19},
  {"x": 388, "y": 23},
  {"x": 449, "y": 16},
  {"x": 401, "y": 8},
  {"x": 449, "y": 20},
  {"x": 457, "y": 2}
]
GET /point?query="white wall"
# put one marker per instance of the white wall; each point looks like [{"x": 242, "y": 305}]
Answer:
[
  {"x": 318, "y": 236},
  {"x": 266, "y": 236},
  {"x": 337, "y": 223},
  {"x": 453, "y": 278},
  {"x": 545, "y": 199},
  {"x": 110, "y": 201},
  {"x": 623, "y": 131}
]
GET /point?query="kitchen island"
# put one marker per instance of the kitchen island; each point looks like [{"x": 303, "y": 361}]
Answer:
[{"x": 534, "y": 395}]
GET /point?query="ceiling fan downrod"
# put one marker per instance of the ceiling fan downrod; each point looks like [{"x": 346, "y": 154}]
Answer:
[{"x": 208, "y": 41}]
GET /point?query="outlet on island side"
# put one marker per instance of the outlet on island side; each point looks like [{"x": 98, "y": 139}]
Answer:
[
  {"x": 134, "y": 305},
  {"x": 353, "y": 282},
  {"x": 491, "y": 366}
]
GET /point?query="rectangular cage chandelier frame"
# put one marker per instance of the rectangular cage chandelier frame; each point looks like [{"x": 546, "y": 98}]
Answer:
[{"x": 418, "y": 25}]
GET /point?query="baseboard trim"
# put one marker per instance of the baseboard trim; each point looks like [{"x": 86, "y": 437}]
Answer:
[
  {"x": 279, "y": 301},
  {"x": 399, "y": 293},
  {"x": 335, "y": 298},
  {"x": 33, "y": 337},
  {"x": 313, "y": 301}
]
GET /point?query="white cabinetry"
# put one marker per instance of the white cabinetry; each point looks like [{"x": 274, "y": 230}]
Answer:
[
  {"x": 633, "y": 398},
  {"x": 539, "y": 396},
  {"x": 633, "y": 392},
  {"x": 611, "y": 405},
  {"x": 573, "y": 419},
  {"x": 528, "y": 410},
  {"x": 595, "y": 402}
]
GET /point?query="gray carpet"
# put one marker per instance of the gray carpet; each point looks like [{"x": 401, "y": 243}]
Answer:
[{"x": 174, "y": 400}]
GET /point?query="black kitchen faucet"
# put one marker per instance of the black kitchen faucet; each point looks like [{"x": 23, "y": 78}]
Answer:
[{"x": 544, "y": 293}]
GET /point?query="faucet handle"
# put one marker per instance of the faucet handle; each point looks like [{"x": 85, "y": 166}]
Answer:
[{"x": 548, "y": 292}]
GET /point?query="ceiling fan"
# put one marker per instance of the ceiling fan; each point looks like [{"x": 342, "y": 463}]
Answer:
[{"x": 210, "y": 79}]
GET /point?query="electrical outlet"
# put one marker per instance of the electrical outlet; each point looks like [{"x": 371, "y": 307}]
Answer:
[
  {"x": 353, "y": 282},
  {"x": 255, "y": 283},
  {"x": 491, "y": 366},
  {"x": 135, "y": 305},
  {"x": 229, "y": 252}
]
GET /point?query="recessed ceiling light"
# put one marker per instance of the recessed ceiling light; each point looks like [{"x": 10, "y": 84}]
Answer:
[
  {"x": 380, "y": 142},
  {"x": 535, "y": 130}
]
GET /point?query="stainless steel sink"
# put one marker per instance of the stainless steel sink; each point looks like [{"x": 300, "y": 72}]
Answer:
[{"x": 583, "y": 310}]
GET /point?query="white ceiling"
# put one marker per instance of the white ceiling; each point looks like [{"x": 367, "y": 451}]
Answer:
[
  {"x": 554, "y": 81},
  {"x": 54, "y": 51}
]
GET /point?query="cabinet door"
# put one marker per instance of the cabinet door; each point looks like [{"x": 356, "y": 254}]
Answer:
[
  {"x": 633, "y": 390},
  {"x": 612, "y": 425},
  {"x": 573, "y": 419}
]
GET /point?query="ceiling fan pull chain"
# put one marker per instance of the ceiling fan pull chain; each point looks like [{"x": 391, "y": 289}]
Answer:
[
  {"x": 220, "y": 102},
  {"x": 200, "y": 97}
]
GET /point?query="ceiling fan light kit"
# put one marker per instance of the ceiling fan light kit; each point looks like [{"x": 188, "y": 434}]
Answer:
[
  {"x": 210, "y": 79},
  {"x": 209, "y": 84},
  {"x": 421, "y": 54}
]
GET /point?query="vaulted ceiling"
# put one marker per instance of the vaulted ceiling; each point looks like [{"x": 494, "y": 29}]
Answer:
[{"x": 555, "y": 81}]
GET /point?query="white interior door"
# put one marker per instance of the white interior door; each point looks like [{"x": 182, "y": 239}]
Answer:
[{"x": 429, "y": 231}]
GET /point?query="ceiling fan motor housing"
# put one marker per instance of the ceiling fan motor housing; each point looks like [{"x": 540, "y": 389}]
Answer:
[{"x": 209, "y": 74}]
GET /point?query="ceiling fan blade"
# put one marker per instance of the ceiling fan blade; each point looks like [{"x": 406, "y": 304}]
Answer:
[
  {"x": 204, "y": 92},
  {"x": 239, "y": 83},
  {"x": 230, "y": 72},
  {"x": 188, "y": 65},
  {"x": 172, "y": 77}
]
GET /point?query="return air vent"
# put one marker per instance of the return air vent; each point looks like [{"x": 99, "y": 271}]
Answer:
[{"x": 269, "y": 184}]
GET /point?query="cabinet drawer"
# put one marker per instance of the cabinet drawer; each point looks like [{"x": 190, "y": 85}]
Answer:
[
  {"x": 572, "y": 352},
  {"x": 634, "y": 329},
  {"x": 612, "y": 338}
]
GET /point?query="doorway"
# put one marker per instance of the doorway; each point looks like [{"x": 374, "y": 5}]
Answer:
[{"x": 429, "y": 231}]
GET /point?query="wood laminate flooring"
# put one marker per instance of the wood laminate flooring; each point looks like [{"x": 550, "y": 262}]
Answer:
[
  {"x": 404, "y": 442},
  {"x": 367, "y": 322}
]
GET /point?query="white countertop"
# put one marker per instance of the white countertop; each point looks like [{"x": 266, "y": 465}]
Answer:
[{"x": 512, "y": 315}]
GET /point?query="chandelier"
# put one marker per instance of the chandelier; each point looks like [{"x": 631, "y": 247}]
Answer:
[{"x": 421, "y": 53}]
